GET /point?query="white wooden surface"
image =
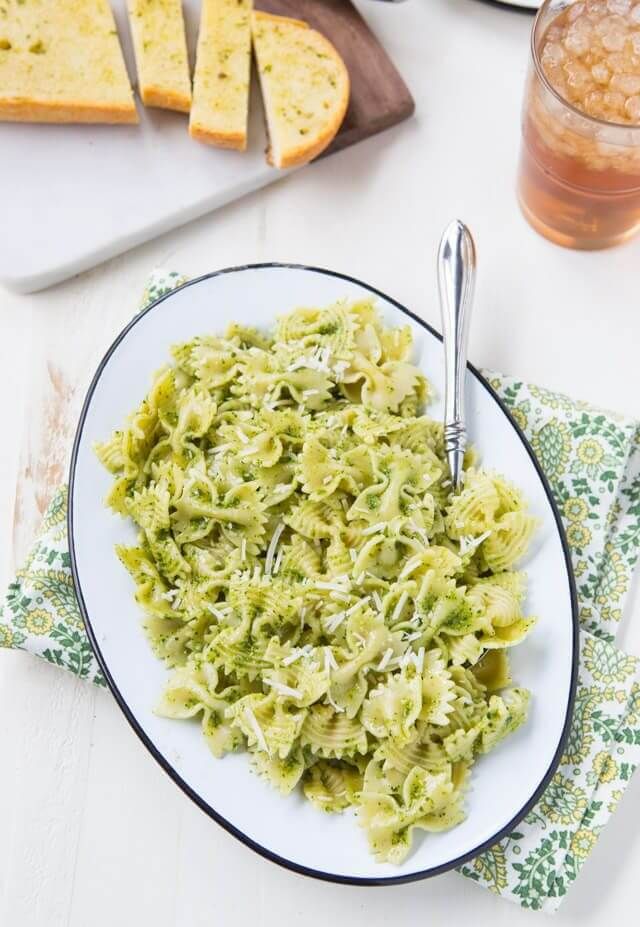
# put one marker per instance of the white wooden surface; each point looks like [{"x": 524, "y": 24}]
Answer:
[{"x": 91, "y": 831}]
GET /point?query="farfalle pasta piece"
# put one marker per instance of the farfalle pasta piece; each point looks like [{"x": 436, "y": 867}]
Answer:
[
  {"x": 438, "y": 690},
  {"x": 505, "y": 714},
  {"x": 314, "y": 520},
  {"x": 379, "y": 387},
  {"x": 331, "y": 734},
  {"x": 389, "y": 823},
  {"x": 332, "y": 787},
  {"x": 366, "y": 639},
  {"x": 473, "y": 511},
  {"x": 300, "y": 560},
  {"x": 507, "y": 635},
  {"x": 323, "y": 473},
  {"x": 465, "y": 649},
  {"x": 196, "y": 411},
  {"x": 149, "y": 507},
  {"x": 284, "y": 774},
  {"x": 236, "y": 651},
  {"x": 492, "y": 670},
  {"x": 423, "y": 751},
  {"x": 332, "y": 328},
  {"x": 212, "y": 361},
  {"x": 509, "y": 541},
  {"x": 268, "y": 723},
  {"x": 393, "y": 707},
  {"x": 192, "y": 690},
  {"x": 499, "y": 603},
  {"x": 110, "y": 453},
  {"x": 303, "y": 682}
]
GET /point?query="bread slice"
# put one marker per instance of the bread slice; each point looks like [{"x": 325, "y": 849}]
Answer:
[
  {"x": 61, "y": 62},
  {"x": 160, "y": 46},
  {"x": 305, "y": 88},
  {"x": 221, "y": 82}
]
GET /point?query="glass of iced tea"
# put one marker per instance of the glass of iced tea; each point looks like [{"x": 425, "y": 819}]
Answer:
[{"x": 579, "y": 176}]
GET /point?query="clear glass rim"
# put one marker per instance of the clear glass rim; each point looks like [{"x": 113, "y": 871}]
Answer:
[{"x": 593, "y": 120}]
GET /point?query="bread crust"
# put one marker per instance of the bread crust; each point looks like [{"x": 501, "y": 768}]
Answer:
[
  {"x": 24, "y": 109},
  {"x": 164, "y": 98},
  {"x": 234, "y": 140}
]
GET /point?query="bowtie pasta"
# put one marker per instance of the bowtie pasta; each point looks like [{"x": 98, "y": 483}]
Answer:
[{"x": 323, "y": 599}]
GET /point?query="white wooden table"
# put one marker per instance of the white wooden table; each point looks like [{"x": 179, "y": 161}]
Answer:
[{"x": 91, "y": 830}]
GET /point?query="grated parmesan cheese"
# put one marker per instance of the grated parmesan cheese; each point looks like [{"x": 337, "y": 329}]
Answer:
[
  {"x": 334, "y": 621},
  {"x": 257, "y": 730},
  {"x": 216, "y": 612},
  {"x": 400, "y": 604},
  {"x": 281, "y": 688},
  {"x": 410, "y": 566},
  {"x": 416, "y": 658},
  {"x": 385, "y": 659},
  {"x": 321, "y": 584},
  {"x": 374, "y": 529},
  {"x": 273, "y": 543},
  {"x": 469, "y": 543},
  {"x": 297, "y": 653}
]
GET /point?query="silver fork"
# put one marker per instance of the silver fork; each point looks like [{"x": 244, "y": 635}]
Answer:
[{"x": 456, "y": 279}]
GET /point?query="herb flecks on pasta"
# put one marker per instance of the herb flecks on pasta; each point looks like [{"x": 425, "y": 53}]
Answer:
[{"x": 323, "y": 599}]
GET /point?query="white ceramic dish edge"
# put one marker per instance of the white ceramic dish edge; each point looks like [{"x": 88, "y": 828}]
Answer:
[{"x": 532, "y": 5}]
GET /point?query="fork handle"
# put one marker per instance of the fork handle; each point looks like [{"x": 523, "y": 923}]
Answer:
[{"x": 456, "y": 280}]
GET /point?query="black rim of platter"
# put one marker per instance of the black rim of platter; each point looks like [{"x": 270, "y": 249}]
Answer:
[{"x": 513, "y": 5}]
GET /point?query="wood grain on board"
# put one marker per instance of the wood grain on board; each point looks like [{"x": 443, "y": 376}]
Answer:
[{"x": 379, "y": 96}]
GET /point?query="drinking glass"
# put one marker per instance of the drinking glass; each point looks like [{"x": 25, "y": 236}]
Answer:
[{"x": 579, "y": 175}]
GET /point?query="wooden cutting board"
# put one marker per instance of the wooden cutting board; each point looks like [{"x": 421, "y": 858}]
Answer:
[{"x": 73, "y": 196}]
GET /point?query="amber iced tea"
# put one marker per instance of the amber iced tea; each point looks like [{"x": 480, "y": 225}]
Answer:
[{"x": 579, "y": 180}]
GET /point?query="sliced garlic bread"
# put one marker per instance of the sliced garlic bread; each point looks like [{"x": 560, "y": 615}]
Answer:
[
  {"x": 61, "y": 62},
  {"x": 160, "y": 46},
  {"x": 220, "y": 103},
  {"x": 305, "y": 88}
]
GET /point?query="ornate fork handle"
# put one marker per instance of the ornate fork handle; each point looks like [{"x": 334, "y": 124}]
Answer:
[{"x": 456, "y": 278}]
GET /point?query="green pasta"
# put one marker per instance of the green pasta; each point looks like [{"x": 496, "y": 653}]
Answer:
[{"x": 324, "y": 600}]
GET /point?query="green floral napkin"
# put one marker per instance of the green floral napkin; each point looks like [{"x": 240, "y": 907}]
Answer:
[{"x": 592, "y": 460}]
